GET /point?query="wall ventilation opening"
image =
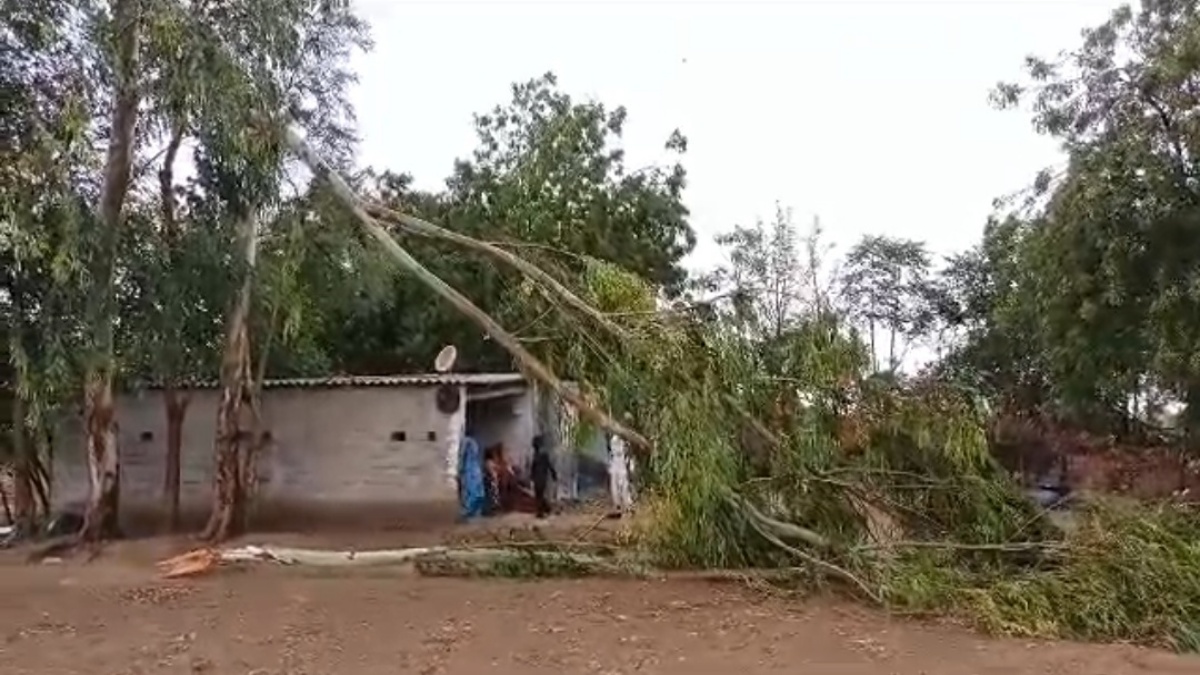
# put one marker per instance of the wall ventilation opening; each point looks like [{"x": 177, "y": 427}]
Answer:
[
  {"x": 432, "y": 436},
  {"x": 399, "y": 436},
  {"x": 146, "y": 436}
]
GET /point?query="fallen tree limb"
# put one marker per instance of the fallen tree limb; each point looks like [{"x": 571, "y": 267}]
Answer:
[
  {"x": 527, "y": 361},
  {"x": 319, "y": 558},
  {"x": 827, "y": 567},
  {"x": 425, "y": 228},
  {"x": 428, "y": 559},
  {"x": 779, "y": 527}
]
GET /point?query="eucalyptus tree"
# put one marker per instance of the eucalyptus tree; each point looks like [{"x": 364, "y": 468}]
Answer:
[
  {"x": 47, "y": 170},
  {"x": 259, "y": 59},
  {"x": 885, "y": 285}
]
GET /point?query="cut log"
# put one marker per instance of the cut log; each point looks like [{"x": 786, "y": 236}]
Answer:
[{"x": 206, "y": 560}]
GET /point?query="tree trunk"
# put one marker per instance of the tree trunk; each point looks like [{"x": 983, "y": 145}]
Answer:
[
  {"x": 104, "y": 464},
  {"x": 24, "y": 515},
  {"x": 232, "y": 474},
  {"x": 874, "y": 354},
  {"x": 176, "y": 407},
  {"x": 176, "y": 404},
  {"x": 228, "y": 489},
  {"x": 103, "y": 452},
  {"x": 8, "y": 513},
  {"x": 892, "y": 351}
]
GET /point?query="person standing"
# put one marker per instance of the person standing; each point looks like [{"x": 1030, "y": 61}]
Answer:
[
  {"x": 472, "y": 492},
  {"x": 542, "y": 471},
  {"x": 618, "y": 474}
]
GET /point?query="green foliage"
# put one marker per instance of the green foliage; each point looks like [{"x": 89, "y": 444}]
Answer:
[
  {"x": 885, "y": 285},
  {"x": 548, "y": 180},
  {"x": 1103, "y": 277},
  {"x": 1123, "y": 573}
]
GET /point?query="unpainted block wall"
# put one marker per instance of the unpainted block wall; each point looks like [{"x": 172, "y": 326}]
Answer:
[{"x": 332, "y": 446}]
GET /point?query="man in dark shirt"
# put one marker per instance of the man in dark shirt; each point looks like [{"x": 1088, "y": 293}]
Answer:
[{"x": 542, "y": 471}]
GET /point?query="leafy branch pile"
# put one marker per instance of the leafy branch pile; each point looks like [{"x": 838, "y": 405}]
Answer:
[{"x": 889, "y": 490}]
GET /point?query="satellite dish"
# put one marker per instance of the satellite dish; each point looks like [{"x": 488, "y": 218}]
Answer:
[{"x": 445, "y": 359}]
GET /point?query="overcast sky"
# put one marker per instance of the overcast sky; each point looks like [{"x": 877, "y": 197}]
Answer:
[{"x": 872, "y": 115}]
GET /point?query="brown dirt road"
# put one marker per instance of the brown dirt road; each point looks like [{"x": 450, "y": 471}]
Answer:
[
  {"x": 115, "y": 617},
  {"x": 111, "y": 617}
]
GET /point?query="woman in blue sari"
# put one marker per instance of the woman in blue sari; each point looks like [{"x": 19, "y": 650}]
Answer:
[{"x": 471, "y": 492}]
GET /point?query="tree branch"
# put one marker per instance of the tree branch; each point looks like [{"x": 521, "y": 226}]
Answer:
[{"x": 527, "y": 361}]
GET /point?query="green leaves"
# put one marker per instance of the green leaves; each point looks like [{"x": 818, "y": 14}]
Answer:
[{"x": 885, "y": 284}]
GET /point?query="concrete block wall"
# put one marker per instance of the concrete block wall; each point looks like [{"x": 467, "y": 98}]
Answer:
[{"x": 330, "y": 446}]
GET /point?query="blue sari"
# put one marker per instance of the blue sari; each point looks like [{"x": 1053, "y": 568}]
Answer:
[{"x": 473, "y": 495}]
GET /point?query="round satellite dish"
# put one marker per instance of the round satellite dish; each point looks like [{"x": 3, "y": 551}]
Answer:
[{"x": 445, "y": 359}]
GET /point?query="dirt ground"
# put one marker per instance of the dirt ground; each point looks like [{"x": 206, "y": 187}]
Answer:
[{"x": 114, "y": 616}]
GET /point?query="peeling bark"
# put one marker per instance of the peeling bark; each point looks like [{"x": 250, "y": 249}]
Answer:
[
  {"x": 104, "y": 464},
  {"x": 228, "y": 489},
  {"x": 103, "y": 452},
  {"x": 234, "y": 449}
]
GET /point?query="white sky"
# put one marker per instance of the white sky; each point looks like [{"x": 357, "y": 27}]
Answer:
[{"x": 871, "y": 114}]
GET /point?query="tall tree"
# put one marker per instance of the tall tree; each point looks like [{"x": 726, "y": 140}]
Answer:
[
  {"x": 267, "y": 60},
  {"x": 124, "y": 26},
  {"x": 549, "y": 181},
  {"x": 885, "y": 285},
  {"x": 764, "y": 275},
  {"x": 46, "y": 160},
  {"x": 1114, "y": 262}
]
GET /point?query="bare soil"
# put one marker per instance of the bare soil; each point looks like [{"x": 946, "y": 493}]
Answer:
[{"x": 114, "y": 616}]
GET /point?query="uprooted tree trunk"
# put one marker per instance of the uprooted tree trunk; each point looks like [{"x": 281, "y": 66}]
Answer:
[
  {"x": 103, "y": 452},
  {"x": 234, "y": 448},
  {"x": 526, "y": 361}
]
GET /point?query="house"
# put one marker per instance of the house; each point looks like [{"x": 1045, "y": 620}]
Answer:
[{"x": 355, "y": 446}]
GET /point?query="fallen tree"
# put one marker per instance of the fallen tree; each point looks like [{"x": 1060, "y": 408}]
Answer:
[{"x": 958, "y": 532}]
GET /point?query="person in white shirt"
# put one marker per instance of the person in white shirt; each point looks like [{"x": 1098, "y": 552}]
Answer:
[{"x": 619, "y": 473}]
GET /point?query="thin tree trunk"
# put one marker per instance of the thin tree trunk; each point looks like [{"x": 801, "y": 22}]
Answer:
[
  {"x": 528, "y": 362},
  {"x": 40, "y": 459},
  {"x": 103, "y": 452},
  {"x": 874, "y": 354},
  {"x": 104, "y": 464},
  {"x": 176, "y": 405},
  {"x": 892, "y": 351},
  {"x": 8, "y": 513},
  {"x": 24, "y": 506},
  {"x": 230, "y": 489}
]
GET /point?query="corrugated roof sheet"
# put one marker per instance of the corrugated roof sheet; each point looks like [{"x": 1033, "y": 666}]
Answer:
[{"x": 427, "y": 380}]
